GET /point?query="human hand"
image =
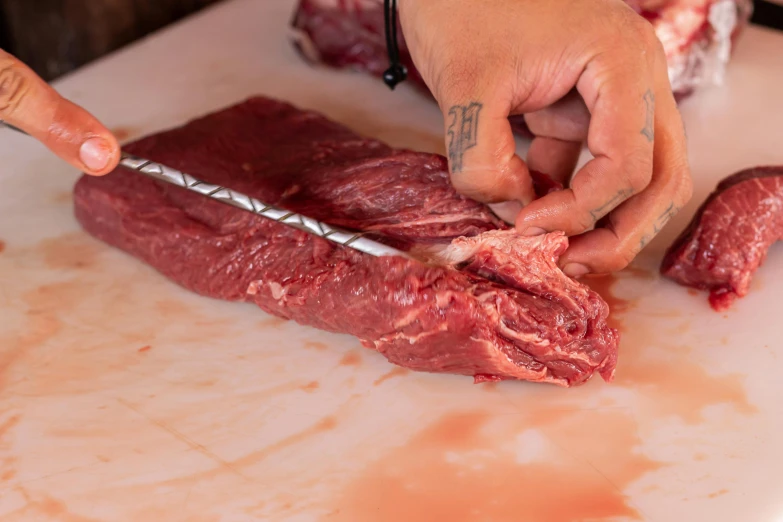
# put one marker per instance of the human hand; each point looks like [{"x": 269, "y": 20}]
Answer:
[
  {"x": 580, "y": 71},
  {"x": 27, "y": 102}
]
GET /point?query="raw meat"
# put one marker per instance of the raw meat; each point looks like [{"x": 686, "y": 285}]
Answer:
[
  {"x": 510, "y": 313},
  {"x": 697, "y": 36},
  {"x": 729, "y": 237}
]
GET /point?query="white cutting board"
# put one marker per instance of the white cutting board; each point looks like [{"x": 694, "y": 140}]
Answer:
[{"x": 126, "y": 398}]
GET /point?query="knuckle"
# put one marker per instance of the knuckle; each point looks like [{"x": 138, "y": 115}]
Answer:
[
  {"x": 468, "y": 73},
  {"x": 647, "y": 35},
  {"x": 638, "y": 170},
  {"x": 639, "y": 179},
  {"x": 583, "y": 217},
  {"x": 608, "y": 264},
  {"x": 620, "y": 259},
  {"x": 478, "y": 185},
  {"x": 14, "y": 85},
  {"x": 456, "y": 79},
  {"x": 639, "y": 29},
  {"x": 640, "y": 42},
  {"x": 585, "y": 221}
]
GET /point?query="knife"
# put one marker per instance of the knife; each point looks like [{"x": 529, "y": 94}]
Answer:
[{"x": 355, "y": 240}]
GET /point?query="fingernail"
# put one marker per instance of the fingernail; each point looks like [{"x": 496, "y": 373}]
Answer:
[
  {"x": 533, "y": 231},
  {"x": 95, "y": 153},
  {"x": 575, "y": 269}
]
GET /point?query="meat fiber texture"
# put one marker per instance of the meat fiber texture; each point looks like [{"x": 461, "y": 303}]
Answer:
[
  {"x": 729, "y": 237},
  {"x": 697, "y": 37},
  {"x": 509, "y": 313}
]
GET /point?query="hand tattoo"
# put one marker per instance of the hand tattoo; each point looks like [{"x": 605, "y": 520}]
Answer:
[
  {"x": 649, "y": 123},
  {"x": 462, "y": 132},
  {"x": 643, "y": 242},
  {"x": 665, "y": 217},
  {"x": 661, "y": 222},
  {"x": 622, "y": 195}
]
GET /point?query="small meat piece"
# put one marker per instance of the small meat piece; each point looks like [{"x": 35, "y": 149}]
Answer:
[
  {"x": 729, "y": 237},
  {"x": 510, "y": 313}
]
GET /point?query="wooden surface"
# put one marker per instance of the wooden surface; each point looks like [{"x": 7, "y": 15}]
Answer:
[{"x": 55, "y": 37}]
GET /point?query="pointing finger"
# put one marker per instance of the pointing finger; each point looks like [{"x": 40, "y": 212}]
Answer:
[{"x": 27, "y": 102}]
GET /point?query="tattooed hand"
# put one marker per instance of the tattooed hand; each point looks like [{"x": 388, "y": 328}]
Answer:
[
  {"x": 580, "y": 72},
  {"x": 27, "y": 102}
]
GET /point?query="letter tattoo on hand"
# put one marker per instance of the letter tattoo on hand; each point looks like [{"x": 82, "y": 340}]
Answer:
[
  {"x": 666, "y": 216},
  {"x": 462, "y": 132}
]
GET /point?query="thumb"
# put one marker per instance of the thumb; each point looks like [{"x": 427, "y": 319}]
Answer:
[
  {"x": 482, "y": 153},
  {"x": 29, "y": 103}
]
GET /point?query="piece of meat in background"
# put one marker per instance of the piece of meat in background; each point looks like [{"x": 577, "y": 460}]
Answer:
[{"x": 729, "y": 236}]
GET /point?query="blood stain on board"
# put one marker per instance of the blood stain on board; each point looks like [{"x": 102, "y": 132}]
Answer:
[
  {"x": 475, "y": 466},
  {"x": 640, "y": 272},
  {"x": 490, "y": 386},
  {"x": 397, "y": 371},
  {"x": 310, "y": 386},
  {"x": 44, "y": 507},
  {"x": 315, "y": 345},
  {"x": 171, "y": 308},
  {"x": 324, "y": 425},
  {"x": 87, "y": 322},
  {"x": 62, "y": 197},
  {"x": 7, "y": 459},
  {"x": 618, "y": 306},
  {"x": 2, "y": 246},
  {"x": 351, "y": 358},
  {"x": 272, "y": 322},
  {"x": 662, "y": 369},
  {"x": 42, "y": 325},
  {"x": 123, "y": 133},
  {"x": 74, "y": 251},
  {"x": 145, "y": 348}
]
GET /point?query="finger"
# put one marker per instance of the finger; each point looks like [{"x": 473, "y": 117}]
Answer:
[
  {"x": 567, "y": 119},
  {"x": 480, "y": 144},
  {"x": 633, "y": 224},
  {"x": 555, "y": 157},
  {"x": 616, "y": 86},
  {"x": 27, "y": 102},
  {"x": 507, "y": 210}
]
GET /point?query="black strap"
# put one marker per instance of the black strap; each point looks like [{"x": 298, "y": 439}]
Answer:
[
  {"x": 396, "y": 73},
  {"x": 767, "y": 14}
]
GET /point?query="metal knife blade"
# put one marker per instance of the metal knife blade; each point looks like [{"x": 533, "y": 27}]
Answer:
[{"x": 355, "y": 240}]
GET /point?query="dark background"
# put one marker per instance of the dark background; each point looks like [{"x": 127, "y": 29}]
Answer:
[{"x": 57, "y": 36}]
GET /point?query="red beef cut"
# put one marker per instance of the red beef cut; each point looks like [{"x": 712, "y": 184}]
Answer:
[
  {"x": 729, "y": 237},
  {"x": 510, "y": 313}
]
